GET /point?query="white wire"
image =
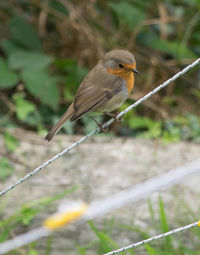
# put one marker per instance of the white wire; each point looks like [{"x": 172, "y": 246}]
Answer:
[
  {"x": 174, "y": 231},
  {"x": 141, "y": 190},
  {"x": 83, "y": 139},
  {"x": 23, "y": 239}
]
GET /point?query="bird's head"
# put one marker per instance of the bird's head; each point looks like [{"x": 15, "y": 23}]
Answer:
[{"x": 120, "y": 63}]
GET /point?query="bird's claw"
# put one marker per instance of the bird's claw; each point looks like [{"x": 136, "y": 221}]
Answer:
[
  {"x": 114, "y": 116},
  {"x": 103, "y": 129},
  {"x": 100, "y": 126}
]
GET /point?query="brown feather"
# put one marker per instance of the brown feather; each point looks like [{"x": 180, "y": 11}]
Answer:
[
  {"x": 60, "y": 123},
  {"x": 96, "y": 89}
]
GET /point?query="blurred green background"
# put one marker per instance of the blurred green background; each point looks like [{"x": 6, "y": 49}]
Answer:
[{"x": 47, "y": 47}]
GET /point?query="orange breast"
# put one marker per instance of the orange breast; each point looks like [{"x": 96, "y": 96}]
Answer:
[
  {"x": 130, "y": 82},
  {"x": 128, "y": 76}
]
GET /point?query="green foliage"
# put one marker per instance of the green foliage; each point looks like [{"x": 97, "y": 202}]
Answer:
[
  {"x": 23, "y": 107},
  {"x": 24, "y": 34},
  {"x": 49, "y": 245},
  {"x": 6, "y": 169},
  {"x": 32, "y": 64},
  {"x": 74, "y": 76},
  {"x": 8, "y": 78},
  {"x": 152, "y": 212},
  {"x": 43, "y": 87},
  {"x": 154, "y": 128},
  {"x": 106, "y": 242},
  {"x": 27, "y": 213},
  {"x": 165, "y": 246},
  {"x": 151, "y": 250},
  {"x": 9, "y": 47},
  {"x": 11, "y": 142},
  {"x": 164, "y": 226},
  {"x": 58, "y": 7},
  {"x": 23, "y": 59},
  {"x": 174, "y": 48},
  {"x": 88, "y": 124},
  {"x": 127, "y": 14},
  {"x": 185, "y": 127},
  {"x": 46, "y": 60},
  {"x": 32, "y": 251}
]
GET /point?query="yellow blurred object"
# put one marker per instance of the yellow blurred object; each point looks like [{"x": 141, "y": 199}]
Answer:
[{"x": 64, "y": 218}]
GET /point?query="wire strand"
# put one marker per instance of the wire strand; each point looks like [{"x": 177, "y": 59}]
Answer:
[{"x": 174, "y": 231}]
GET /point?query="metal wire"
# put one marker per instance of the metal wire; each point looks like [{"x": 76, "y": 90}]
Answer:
[
  {"x": 95, "y": 131},
  {"x": 23, "y": 239},
  {"x": 174, "y": 231}
]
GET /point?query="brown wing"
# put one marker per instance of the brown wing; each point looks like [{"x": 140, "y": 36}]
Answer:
[{"x": 95, "y": 90}]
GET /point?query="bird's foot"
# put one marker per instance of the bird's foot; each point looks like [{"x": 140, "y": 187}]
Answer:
[
  {"x": 114, "y": 116},
  {"x": 100, "y": 125}
]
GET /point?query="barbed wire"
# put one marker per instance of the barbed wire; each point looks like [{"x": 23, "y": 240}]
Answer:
[
  {"x": 95, "y": 131},
  {"x": 134, "y": 245},
  {"x": 80, "y": 212}
]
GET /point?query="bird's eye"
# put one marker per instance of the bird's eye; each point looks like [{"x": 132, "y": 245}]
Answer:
[{"x": 121, "y": 66}]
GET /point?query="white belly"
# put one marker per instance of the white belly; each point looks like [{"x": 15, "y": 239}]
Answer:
[{"x": 115, "y": 102}]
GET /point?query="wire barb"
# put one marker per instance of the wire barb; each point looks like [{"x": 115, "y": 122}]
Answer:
[{"x": 95, "y": 131}]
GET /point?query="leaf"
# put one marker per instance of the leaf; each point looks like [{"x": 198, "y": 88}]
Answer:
[
  {"x": 139, "y": 122},
  {"x": 106, "y": 242},
  {"x": 8, "y": 79},
  {"x": 75, "y": 74},
  {"x": 151, "y": 211},
  {"x": 24, "y": 34},
  {"x": 25, "y": 59},
  {"x": 174, "y": 48},
  {"x": 150, "y": 250},
  {"x": 43, "y": 86},
  {"x": 65, "y": 63},
  {"x": 23, "y": 107},
  {"x": 35, "y": 119},
  {"x": 127, "y": 14},
  {"x": 171, "y": 132},
  {"x": 6, "y": 168},
  {"x": 9, "y": 47},
  {"x": 164, "y": 225},
  {"x": 11, "y": 142},
  {"x": 32, "y": 252},
  {"x": 59, "y": 7}
]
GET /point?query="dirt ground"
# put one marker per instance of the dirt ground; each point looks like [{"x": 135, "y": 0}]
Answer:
[{"x": 98, "y": 168}]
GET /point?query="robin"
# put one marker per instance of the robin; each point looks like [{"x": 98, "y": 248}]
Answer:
[{"x": 103, "y": 90}]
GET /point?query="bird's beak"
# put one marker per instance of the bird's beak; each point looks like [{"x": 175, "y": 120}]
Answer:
[{"x": 136, "y": 71}]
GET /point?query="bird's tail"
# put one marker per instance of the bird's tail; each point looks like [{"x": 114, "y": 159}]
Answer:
[{"x": 60, "y": 123}]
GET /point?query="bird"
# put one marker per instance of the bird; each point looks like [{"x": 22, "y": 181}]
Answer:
[{"x": 104, "y": 89}]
